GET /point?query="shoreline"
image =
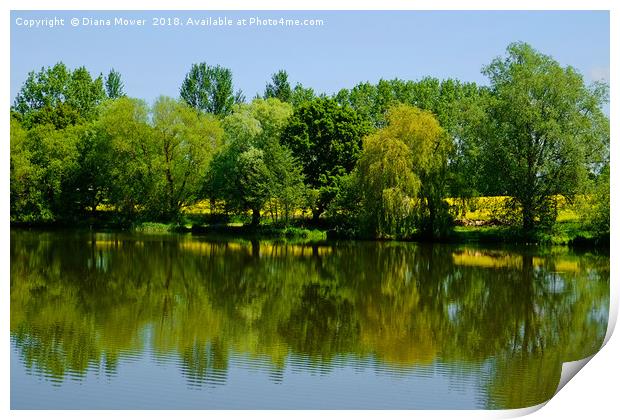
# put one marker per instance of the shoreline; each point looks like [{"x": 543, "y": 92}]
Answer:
[{"x": 499, "y": 235}]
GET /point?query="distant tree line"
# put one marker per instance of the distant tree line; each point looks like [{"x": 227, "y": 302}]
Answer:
[{"x": 377, "y": 160}]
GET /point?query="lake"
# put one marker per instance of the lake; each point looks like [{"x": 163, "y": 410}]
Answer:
[{"x": 138, "y": 321}]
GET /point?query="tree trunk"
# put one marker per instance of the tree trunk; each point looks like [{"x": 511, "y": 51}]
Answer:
[
  {"x": 316, "y": 213},
  {"x": 528, "y": 218},
  {"x": 431, "y": 218},
  {"x": 255, "y": 217}
]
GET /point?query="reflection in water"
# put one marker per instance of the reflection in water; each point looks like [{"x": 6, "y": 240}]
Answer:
[{"x": 494, "y": 325}]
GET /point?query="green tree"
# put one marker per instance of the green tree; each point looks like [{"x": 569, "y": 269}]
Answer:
[
  {"x": 58, "y": 96},
  {"x": 301, "y": 94},
  {"x": 279, "y": 87},
  {"x": 362, "y": 98},
  {"x": 431, "y": 94},
  {"x": 599, "y": 204},
  {"x": 27, "y": 203},
  {"x": 546, "y": 131},
  {"x": 124, "y": 123},
  {"x": 253, "y": 181},
  {"x": 185, "y": 142},
  {"x": 114, "y": 85},
  {"x": 388, "y": 187},
  {"x": 467, "y": 120},
  {"x": 89, "y": 184},
  {"x": 326, "y": 138},
  {"x": 53, "y": 155},
  {"x": 400, "y": 176},
  {"x": 210, "y": 89},
  {"x": 254, "y": 167}
]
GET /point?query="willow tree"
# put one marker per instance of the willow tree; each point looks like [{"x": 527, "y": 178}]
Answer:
[
  {"x": 546, "y": 132},
  {"x": 400, "y": 175}
]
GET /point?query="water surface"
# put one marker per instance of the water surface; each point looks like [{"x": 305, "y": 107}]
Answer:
[{"x": 111, "y": 320}]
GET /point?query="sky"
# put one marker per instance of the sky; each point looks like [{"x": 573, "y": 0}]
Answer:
[{"x": 350, "y": 47}]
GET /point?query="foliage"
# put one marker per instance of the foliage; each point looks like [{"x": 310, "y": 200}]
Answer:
[
  {"x": 598, "y": 205},
  {"x": 185, "y": 142},
  {"x": 301, "y": 95},
  {"x": 534, "y": 139},
  {"x": 58, "y": 96},
  {"x": 210, "y": 89},
  {"x": 279, "y": 87},
  {"x": 440, "y": 97},
  {"x": 124, "y": 124},
  {"x": 160, "y": 156},
  {"x": 27, "y": 203},
  {"x": 326, "y": 138},
  {"x": 89, "y": 185},
  {"x": 398, "y": 179},
  {"x": 254, "y": 167},
  {"x": 458, "y": 107},
  {"x": 114, "y": 86},
  {"x": 546, "y": 131}
]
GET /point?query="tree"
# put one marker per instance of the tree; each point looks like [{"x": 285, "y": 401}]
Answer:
[
  {"x": 300, "y": 95},
  {"x": 45, "y": 88},
  {"x": 597, "y": 205},
  {"x": 124, "y": 123},
  {"x": 400, "y": 176},
  {"x": 467, "y": 119},
  {"x": 26, "y": 200},
  {"x": 184, "y": 142},
  {"x": 210, "y": 89},
  {"x": 362, "y": 98},
  {"x": 253, "y": 181},
  {"x": 114, "y": 86},
  {"x": 254, "y": 167},
  {"x": 388, "y": 187},
  {"x": 47, "y": 162},
  {"x": 326, "y": 138},
  {"x": 59, "y": 96},
  {"x": 279, "y": 87},
  {"x": 546, "y": 131},
  {"x": 89, "y": 184}
]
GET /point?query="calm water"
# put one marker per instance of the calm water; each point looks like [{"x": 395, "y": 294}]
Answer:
[{"x": 144, "y": 321}]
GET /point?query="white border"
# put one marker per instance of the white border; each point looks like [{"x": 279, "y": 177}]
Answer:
[{"x": 592, "y": 394}]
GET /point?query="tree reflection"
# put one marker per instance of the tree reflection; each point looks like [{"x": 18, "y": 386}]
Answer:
[{"x": 89, "y": 301}]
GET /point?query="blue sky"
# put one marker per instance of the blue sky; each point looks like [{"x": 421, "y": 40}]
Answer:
[{"x": 351, "y": 46}]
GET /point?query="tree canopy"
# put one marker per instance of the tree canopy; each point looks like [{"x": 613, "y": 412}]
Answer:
[
  {"x": 398, "y": 178},
  {"x": 254, "y": 167},
  {"x": 279, "y": 87},
  {"x": 58, "y": 96},
  {"x": 210, "y": 89},
  {"x": 326, "y": 138},
  {"x": 546, "y": 131},
  {"x": 396, "y": 158},
  {"x": 114, "y": 85}
]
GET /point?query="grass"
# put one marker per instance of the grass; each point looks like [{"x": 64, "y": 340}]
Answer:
[
  {"x": 153, "y": 227},
  {"x": 483, "y": 234},
  {"x": 480, "y": 225},
  {"x": 297, "y": 234},
  {"x": 569, "y": 228},
  {"x": 563, "y": 233}
]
